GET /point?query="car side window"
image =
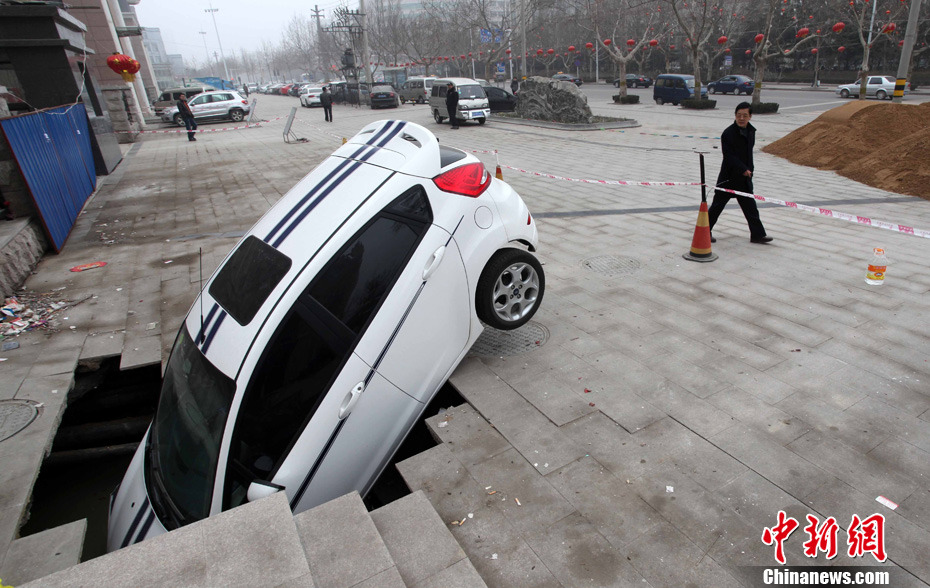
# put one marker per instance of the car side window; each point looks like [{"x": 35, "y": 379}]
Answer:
[
  {"x": 222, "y": 97},
  {"x": 198, "y": 100}
]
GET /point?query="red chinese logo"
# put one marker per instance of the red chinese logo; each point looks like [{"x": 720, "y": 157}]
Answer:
[
  {"x": 867, "y": 536},
  {"x": 779, "y": 533},
  {"x": 820, "y": 538},
  {"x": 864, "y": 536}
]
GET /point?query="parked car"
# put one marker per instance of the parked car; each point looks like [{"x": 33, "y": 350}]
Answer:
[
  {"x": 295, "y": 89},
  {"x": 635, "y": 81},
  {"x": 499, "y": 99},
  {"x": 211, "y": 105},
  {"x": 170, "y": 97},
  {"x": 416, "y": 90},
  {"x": 674, "y": 88},
  {"x": 473, "y": 102},
  {"x": 310, "y": 96},
  {"x": 384, "y": 96},
  {"x": 880, "y": 87},
  {"x": 564, "y": 77},
  {"x": 285, "y": 89},
  {"x": 320, "y": 340},
  {"x": 727, "y": 84}
]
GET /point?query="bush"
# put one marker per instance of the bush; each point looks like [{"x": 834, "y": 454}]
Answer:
[
  {"x": 765, "y": 108},
  {"x": 629, "y": 99},
  {"x": 699, "y": 104}
]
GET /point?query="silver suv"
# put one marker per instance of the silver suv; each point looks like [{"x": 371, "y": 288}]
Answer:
[{"x": 211, "y": 105}]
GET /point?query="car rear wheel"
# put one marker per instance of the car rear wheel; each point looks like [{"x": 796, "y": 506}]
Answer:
[
  {"x": 510, "y": 289},
  {"x": 844, "y": 93},
  {"x": 881, "y": 94},
  {"x": 713, "y": 90},
  {"x": 236, "y": 115},
  {"x": 437, "y": 117},
  {"x": 659, "y": 101},
  {"x": 674, "y": 104},
  {"x": 178, "y": 120},
  {"x": 420, "y": 100}
]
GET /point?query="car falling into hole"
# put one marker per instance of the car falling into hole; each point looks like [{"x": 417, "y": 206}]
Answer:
[{"x": 321, "y": 338}]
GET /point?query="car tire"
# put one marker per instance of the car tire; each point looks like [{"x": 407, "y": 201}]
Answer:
[
  {"x": 236, "y": 115},
  {"x": 713, "y": 90},
  {"x": 420, "y": 100},
  {"x": 510, "y": 289},
  {"x": 178, "y": 120},
  {"x": 437, "y": 117},
  {"x": 481, "y": 121},
  {"x": 659, "y": 101},
  {"x": 881, "y": 94},
  {"x": 674, "y": 103},
  {"x": 844, "y": 93}
]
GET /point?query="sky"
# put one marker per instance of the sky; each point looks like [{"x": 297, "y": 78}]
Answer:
[{"x": 242, "y": 24}]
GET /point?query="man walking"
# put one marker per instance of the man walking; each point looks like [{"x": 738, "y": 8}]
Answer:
[
  {"x": 514, "y": 86},
  {"x": 326, "y": 100},
  {"x": 736, "y": 174},
  {"x": 187, "y": 116},
  {"x": 452, "y": 104}
]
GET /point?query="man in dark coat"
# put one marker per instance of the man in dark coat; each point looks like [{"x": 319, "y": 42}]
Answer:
[
  {"x": 514, "y": 86},
  {"x": 326, "y": 101},
  {"x": 187, "y": 116},
  {"x": 452, "y": 104},
  {"x": 736, "y": 173}
]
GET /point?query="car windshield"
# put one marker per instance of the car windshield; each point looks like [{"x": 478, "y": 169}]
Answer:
[
  {"x": 471, "y": 92},
  {"x": 186, "y": 434}
]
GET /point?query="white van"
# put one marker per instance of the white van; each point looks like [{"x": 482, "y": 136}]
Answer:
[
  {"x": 416, "y": 90},
  {"x": 319, "y": 341},
  {"x": 473, "y": 102},
  {"x": 170, "y": 97}
]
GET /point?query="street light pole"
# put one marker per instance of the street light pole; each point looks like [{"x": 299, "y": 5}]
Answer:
[
  {"x": 205, "y": 50},
  {"x": 213, "y": 12}
]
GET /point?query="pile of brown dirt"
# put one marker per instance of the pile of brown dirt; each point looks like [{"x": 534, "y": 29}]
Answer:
[{"x": 883, "y": 145}]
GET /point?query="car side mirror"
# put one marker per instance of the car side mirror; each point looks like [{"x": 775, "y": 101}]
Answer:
[{"x": 260, "y": 489}]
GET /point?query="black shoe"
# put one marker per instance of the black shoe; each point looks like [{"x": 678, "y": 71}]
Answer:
[
  {"x": 713, "y": 239},
  {"x": 192, "y": 139},
  {"x": 762, "y": 239}
]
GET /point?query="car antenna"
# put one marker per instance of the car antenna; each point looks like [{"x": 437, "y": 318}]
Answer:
[{"x": 200, "y": 260}]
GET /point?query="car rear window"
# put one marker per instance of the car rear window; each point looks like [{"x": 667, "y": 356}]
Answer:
[{"x": 246, "y": 280}]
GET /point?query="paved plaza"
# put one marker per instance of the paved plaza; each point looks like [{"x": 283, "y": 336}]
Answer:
[{"x": 666, "y": 410}]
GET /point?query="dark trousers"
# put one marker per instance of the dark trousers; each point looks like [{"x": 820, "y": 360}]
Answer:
[
  {"x": 328, "y": 112},
  {"x": 750, "y": 211},
  {"x": 453, "y": 111},
  {"x": 191, "y": 125}
]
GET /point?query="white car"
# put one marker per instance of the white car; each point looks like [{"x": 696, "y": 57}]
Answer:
[
  {"x": 321, "y": 338},
  {"x": 310, "y": 96},
  {"x": 211, "y": 105},
  {"x": 880, "y": 87}
]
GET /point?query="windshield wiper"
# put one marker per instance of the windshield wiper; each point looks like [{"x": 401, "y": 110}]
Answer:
[{"x": 160, "y": 496}]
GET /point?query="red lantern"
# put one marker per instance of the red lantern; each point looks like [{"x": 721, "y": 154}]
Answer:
[
  {"x": 539, "y": 52},
  {"x": 839, "y": 27},
  {"x": 889, "y": 28},
  {"x": 748, "y": 52},
  {"x": 550, "y": 51},
  {"x": 721, "y": 40},
  {"x": 630, "y": 42},
  {"x": 571, "y": 47},
  {"x": 653, "y": 42},
  {"x": 803, "y": 32},
  {"x": 672, "y": 47},
  {"x": 841, "y": 49},
  {"x": 589, "y": 45},
  {"x": 124, "y": 65},
  {"x": 469, "y": 53},
  {"x": 901, "y": 43},
  {"x": 607, "y": 42},
  {"x": 507, "y": 52},
  {"x": 759, "y": 37},
  {"x": 727, "y": 50},
  {"x": 814, "y": 51},
  {"x": 462, "y": 57}
]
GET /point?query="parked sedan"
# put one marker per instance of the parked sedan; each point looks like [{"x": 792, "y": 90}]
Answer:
[
  {"x": 310, "y": 96},
  {"x": 319, "y": 342},
  {"x": 727, "y": 84},
  {"x": 211, "y": 105},
  {"x": 880, "y": 87},
  {"x": 635, "y": 81},
  {"x": 564, "y": 77},
  {"x": 384, "y": 97},
  {"x": 500, "y": 100}
]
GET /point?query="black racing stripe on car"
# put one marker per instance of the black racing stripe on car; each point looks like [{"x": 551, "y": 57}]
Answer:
[
  {"x": 323, "y": 182},
  {"x": 299, "y": 218},
  {"x": 393, "y": 134},
  {"x": 145, "y": 528},
  {"x": 403, "y": 319},
  {"x": 206, "y": 324},
  {"x": 319, "y": 460},
  {"x": 216, "y": 327},
  {"x": 135, "y": 522}
]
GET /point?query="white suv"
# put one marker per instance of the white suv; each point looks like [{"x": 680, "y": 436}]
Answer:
[
  {"x": 320, "y": 340},
  {"x": 221, "y": 104}
]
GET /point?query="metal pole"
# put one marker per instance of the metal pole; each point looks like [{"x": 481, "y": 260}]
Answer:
[
  {"x": 205, "y": 50},
  {"x": 213, "y": 12},
  {"x": 523, "y": 33},
  {"x": 366, "y": 58},
  {"x": 910, "y": 38},
  {"x": 703, "y": 184}
]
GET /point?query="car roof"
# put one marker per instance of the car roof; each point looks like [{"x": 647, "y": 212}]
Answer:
[{"x": 458, "y": 81}]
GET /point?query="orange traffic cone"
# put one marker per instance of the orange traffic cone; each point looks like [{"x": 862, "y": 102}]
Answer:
[
  {"x": 700, "y": 244},
  {"x": 498, "y": 174},
  {"x": 344, "y": 140}
]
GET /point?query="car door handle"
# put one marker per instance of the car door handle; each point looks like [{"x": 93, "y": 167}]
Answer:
[
  {"x": 348, "y": 403},
  {"x": 433, "y": 262}
]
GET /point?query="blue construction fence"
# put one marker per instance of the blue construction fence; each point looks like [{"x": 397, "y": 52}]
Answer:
[{"x": 52, "y": 148}]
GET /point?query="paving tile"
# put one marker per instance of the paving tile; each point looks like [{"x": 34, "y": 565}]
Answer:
[
  {"x": 750, "y": 410},
  {"x": 446, "y": 482},
  {"x": 914, "y": 431},
  {"x": 916, "y": 508},
  {"x": 36, "y": 556},
  {"x": 577, "y": 555},
  {"x": 551, "y": 395},
  {"x": 460, "y": 575},
  {"x": 855, "y": 431},
  {"x": 389, "y": 578},
  {"x": 695, "y": 413},
  {"x": 468, "y": 436}
]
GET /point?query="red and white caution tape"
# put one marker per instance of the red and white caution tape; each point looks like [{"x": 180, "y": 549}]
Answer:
[
  {"x": 603, "y": 182},
  {"x": 212, "y": 130},
  {"x": 862, "y": 220}
]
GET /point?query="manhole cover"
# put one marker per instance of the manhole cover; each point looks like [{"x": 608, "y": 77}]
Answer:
[
  {"x": 15, "y": 415},
  {"x": 609, "y": 265},
  {"x": 496, "y": 343}
]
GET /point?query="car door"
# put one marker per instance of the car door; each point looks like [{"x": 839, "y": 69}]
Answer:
[{"x": 199, "y": 106}]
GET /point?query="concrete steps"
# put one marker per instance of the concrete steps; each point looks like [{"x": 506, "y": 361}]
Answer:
[{"x": 335, "y": 545}]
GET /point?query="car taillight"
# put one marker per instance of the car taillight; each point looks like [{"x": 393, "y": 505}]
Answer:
[
  {"x": 391, "y": 94},
  {"x": 468, "y": 180},
  {"x": 245, "y": 101}
]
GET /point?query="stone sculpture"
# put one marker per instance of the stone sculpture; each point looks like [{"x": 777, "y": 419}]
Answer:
[{"x": 553, "y": 100}]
